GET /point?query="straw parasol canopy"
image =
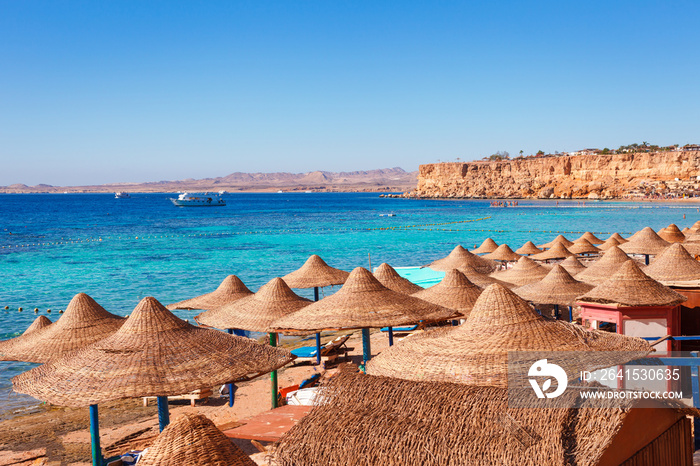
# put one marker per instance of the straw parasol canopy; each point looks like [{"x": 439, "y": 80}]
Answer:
[
  {"x": 523, "y": 272},
  {"x": 460, "y": 258},
  {"x": 390, "y": 278},
  {"x": 315, "y": 273},
  {"x": 488, "y": 245},
  {"x": 645, "y": 241},
  {"x": 696, "y": 226},
  {"x": 194, "y": 439},
  {"x": 686, "y": 230},
  {"x": 503, "y": 253},
  {"x": 630, "y": 287},
  {"x": 572, "y": 265},
  {"x": 610, "y": 242},
  {"x": 482, "y": 280},
  {"x": 618, "y": 237},
  {"x": 605, "y": 267},
  {"x": 256, "y": 312},
  {"x": 153, "y": 354},
  {"x": 672, "y": 234},
  {"x": 692, "y": 243},
  {"x": 558, "y": 251},
  {"x": 528, "y": 248},
  {"x": 558, "y": 287},
  {"x": 674, "y": 265},
  {"x": 583, "y": 247},
  {"x": 8, "y": 345},
  {"x": 362, "y": 302},
  {"x": 590, "y": 237},
  {"x": 230, "y": 290},
  {"x": 455, "y": 291},
  {"x": 476, "y": 352},
  {"x": 559, "y": 239},
  {"x": 84, "y": 322}
]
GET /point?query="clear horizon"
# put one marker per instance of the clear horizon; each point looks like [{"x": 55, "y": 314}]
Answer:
[{"x": 98, "y": 93}]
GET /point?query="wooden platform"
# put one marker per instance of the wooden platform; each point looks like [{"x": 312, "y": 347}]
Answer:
[
  {"x": 270, "y": 425},
  {"x": 192, "y": 396}
]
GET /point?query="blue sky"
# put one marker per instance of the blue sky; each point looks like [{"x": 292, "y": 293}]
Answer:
[{"x": 100, "y": 92}]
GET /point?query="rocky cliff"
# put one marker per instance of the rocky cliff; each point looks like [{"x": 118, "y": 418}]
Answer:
[{"x": 583, "y": 176}]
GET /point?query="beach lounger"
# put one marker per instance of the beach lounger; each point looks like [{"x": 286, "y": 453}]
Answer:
[
  {"x": 193, "y": 396},
  {"x": 329, "y": 352},
  {"x": 401, "y": 329}
]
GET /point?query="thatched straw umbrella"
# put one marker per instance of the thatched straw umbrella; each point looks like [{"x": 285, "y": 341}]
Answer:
[
  {"x": 672, "y": 234},
  {"x": 583, "y": 247},
  {"x": 455, "y": 291},
  {"x": 482, "y": 280},
  {"x": 618, "y": 237},
  {"x": 610, "y": 242},
  {"x": 590, "y": 237},
  {"x": 686, "y": 231},
  {"x": 559, "y": 239},
  {"x": 502, "y": 254},
  {"x": 572, "y": 265},
  {"x": 645, "y": 242},
  {"x": 523, "y": 272},
  {"x": 675, "y": 266},
  {"x": 487, "y": 246},
  {"x": 6, "y": 347},
  {"x": 460, "y": 258},
  {"x": 696, "y": 226},
  {"x": 362, "y": 303},
  {"x": 315, "y": 273},
  {"x": 630, "y": 287},
  {"x": 153, "y": 354},
  {"x": 194, "y": 439},
  {"x": 557, "y": 251},
  {"x": 528, "y": 249},
  {"x": 605, "y": 267},
  {"x": 557, "y": 288},
  {"x": 229, "y": 291},
  {"x": 84, "y": 322},
  {"x": 476, "y": 352},
  {"x": 390, "y": 278}
]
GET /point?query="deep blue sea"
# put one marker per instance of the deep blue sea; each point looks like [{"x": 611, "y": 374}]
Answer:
[{"x": 118, "y": 251}]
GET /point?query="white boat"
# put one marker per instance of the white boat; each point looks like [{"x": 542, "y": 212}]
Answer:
[
  {"x": 198, "y": 200},
  {"x": 121, "y": 195}
]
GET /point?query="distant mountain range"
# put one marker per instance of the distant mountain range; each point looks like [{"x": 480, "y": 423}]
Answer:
[{"x": 386, "y": 179}]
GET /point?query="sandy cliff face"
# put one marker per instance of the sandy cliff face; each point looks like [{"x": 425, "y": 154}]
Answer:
[{"x": 584, "y": 176}]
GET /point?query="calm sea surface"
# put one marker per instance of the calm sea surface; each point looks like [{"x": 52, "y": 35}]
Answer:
[{"x": 118, "y": 251}]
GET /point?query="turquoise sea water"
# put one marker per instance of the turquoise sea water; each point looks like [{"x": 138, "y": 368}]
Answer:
[{"x": 118, "y": 251}]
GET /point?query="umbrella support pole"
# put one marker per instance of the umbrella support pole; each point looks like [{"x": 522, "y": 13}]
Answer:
[
  {"x": 391, "y": 336},
  {"x": 318, "y": 335},
  {"x": 163, "y": 412},
  {"x": 646, "y": 259},
  {"x": 366, "y": 349},
  {"x": 273, "y": 374},
  {"x": 556, "y": 311},
  {"x": 95, "y": 436},
  {"x": 230, "y": 386},
  {"x": 571, "y": 314}
]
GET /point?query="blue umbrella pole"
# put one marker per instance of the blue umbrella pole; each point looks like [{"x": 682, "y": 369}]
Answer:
[
  {"x": 273, "y": 374},
  {"x": 366, "y": 349},
  {"x": 646, "y": 259},
  {"x": 556, "y": 311},
  {"x": 318, "y": 335},
  {"x": 391, "y": 336},
  {"x": 95, "y": 436},
  {"x": 571, "y": 314},
  {"x": 163, "y": 413},
  {"x": 230, "y": 386}
]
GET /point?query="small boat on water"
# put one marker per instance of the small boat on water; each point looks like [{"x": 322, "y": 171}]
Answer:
[
  {"x": 198, "y": 200},
  {"x": 121, "y": 195}
]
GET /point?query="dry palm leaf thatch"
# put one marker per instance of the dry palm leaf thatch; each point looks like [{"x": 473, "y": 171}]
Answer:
[
  {"x": 482, "y": 280},
  {"x": 696, "y": 226},
  {"x": 558, "y": 287},
  {"x": 390, "y": 278},
  {"x": 590, "y": 237},
  {"x": 618, "y": 237},
  {"x": 528, "y": 248},
  {"x": 455, "y": 291},
  {"x": 379, "y": 420},
  {"x": 630, "y": 287},
  {"x": 476, "y": 352},
  {"x": 557, "y": 251},
  {"x": 6, "y": 347},
  {"x": 559, "y": 239},
  {"x": 257, "y": 311},
  {"x": 487, "y": 246},
  {"x": 503, "y": 253},
  {"x": 583, "y": 247},
  {"x": 460, "y": 258},
  {"x": 572, "y": 265},
  {"x": 605, "y": 267},
  {"x": 672, "y": 234},
  {"x": 153, "y": 354},
  {"x": 315, "y": 273},
  {"x": 230, "y": 290},
  {"x": 610, "y": 242},
  {"x": 686, "y": 231},
  {"x": 523, "y": 272},
  {"x": 362, "y": 302},
  {"x": 194, "y": 439},
  {"x": 645, "y": 241},
  {"x": 83, "y": 323},
  {"x": 675, "y": 267}
]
